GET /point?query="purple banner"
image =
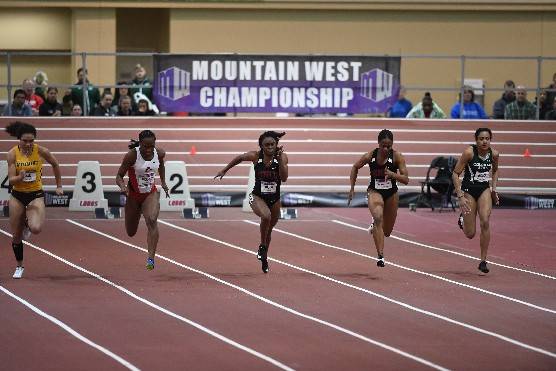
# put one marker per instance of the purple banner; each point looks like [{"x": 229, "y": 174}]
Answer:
[{"x": 285, "y": 83}]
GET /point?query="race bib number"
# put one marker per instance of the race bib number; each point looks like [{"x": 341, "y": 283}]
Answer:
[
  {"x": 268, "y": 187},
  {"x": 383, "y": 184},
  {"x": 30, "y": 176},
  {"x": 482, "y": 177}
]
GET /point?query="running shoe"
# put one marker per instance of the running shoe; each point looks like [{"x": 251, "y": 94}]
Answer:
[
  {"x": 18, "y": 273},
  {"x": 261, "y": 252},
  {"x": 150, "y": 264},
  {"x": 460, "y": 221},
  {"x": 265, "y": 266},
  {"x": 483, "y": 267},
  {"x": 380, "y": 261}
]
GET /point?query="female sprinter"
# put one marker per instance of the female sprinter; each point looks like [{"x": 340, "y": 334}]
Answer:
[
  {"x": 477, "y": 191},
  {"x": 271, "y": 169},
  {"x": 27, "y": 211},
  {"x": 382, "y": 193},
  {"x": 141, "y": 163}
]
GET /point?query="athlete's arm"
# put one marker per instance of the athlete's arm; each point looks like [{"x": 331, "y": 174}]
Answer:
[
  {"x": 403, "y": 176},
  {"x": 128, "y": 161},
  {"x": 464, "y": 159},
  {"x": 247, "y": 156},
  {"x": 13, "y": 177},
  {"x": 49, "y": 157},
  {"x": 354, "y": 170},
  {"x": 283, "y": 162},
  {"x": 162, "y": 170},
  {"x": 494, "y": 181}
]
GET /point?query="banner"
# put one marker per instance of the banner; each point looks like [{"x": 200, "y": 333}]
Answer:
[{"x": 284, "y": 83}]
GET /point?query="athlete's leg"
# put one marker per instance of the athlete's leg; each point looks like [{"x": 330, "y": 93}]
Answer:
[
  {"x": 35, "y": 215},
  {"x": 132, "y": 216},
  {"x": 274, "y": 216},
  {"x": 469, "y": 219},
  {"x": 484, "y": 209},
  {"x": 17, "y": 222},
  {"x": 389, "y": 214},
  {"x": 261, "y": 209},
  {"x": 150, "y": 210},
  {"x": 376, "y": 207}
]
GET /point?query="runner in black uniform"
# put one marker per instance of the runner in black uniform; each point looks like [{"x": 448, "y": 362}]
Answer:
[
  {"x": 382, "y": 192},
  {"x": 478, "y": 189},
  {"x": 271, "y": 169}
]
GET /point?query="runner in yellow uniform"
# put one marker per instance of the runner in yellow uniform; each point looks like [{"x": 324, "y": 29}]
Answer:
[{"x": 27, "y": 209}]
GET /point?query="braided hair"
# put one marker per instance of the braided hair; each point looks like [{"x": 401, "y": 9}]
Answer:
[{"x": 142, "y": 135}]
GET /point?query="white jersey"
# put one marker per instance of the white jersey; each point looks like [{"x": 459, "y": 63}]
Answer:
[{"x": 142, "y": 173}]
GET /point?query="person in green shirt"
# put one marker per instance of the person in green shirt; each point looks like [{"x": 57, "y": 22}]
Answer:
[
  {"x": 77, "y": 93},
  {"x": 521, "y": 108}
]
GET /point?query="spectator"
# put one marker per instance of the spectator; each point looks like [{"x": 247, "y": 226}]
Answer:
[
  {"x": 508, "y": 97},
  {"x": 77, "y": 92},
  {"x": 122, "y": 92},
  {"x": 141, "y": 84},
  {"x": 402, "y": 107},
  {"x": 124, "y": 108},
  {"x": 521, "y": 109},
  {"x": 76, "y": 110},
  {"x": 551, "y": 115},
  {"x": 471, "y": 109},
  {"x": 67, "y": 105},
  {"x": 41, "y": 82},
  {"x": 104, "y": 108},
  {"x": 31, "y": 98},
  {"x": 51, "y": 107},
  {"x": 542, "y": 102},
  {"x": 426, "y": 109},
  {"x": 550, "y": 95},
  {"x": 143, "y": 109},
  {"x": 18, "y": 106}
]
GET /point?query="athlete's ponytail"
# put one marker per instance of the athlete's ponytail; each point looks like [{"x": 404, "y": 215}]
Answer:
[
  {"x": 18, "y": 128},
  {"x": 142, "y": 135}
]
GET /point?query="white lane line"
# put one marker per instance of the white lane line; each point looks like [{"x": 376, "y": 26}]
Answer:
[
  {"x": 268, "y": 301},
  {"x": 375, "y": 294},
  {"x": 390, "y": 262},
  {"x": 449, "y": 251},
  {"x": 71, "y": 331},
  {"x": 159, "y": 308}
]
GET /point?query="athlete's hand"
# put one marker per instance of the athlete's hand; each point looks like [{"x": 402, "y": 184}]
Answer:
[
  {"x": 220, "y": 174},
  {"x": 124, "y": 190},
  {"x": 165, "y": 188},
  {"x": 350, "y": 196},
  {"x": 464, "y": 205},
  {"x": 59, "y": 191},
  {"x": 495, "y": 197},
  {"x": 388, "y": 174},
  {"x": 22, "y": 174},
  {"x": 279, "y": 151}
]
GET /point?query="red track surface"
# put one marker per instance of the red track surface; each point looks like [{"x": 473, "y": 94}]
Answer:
[{"x": 152, "y": 340}]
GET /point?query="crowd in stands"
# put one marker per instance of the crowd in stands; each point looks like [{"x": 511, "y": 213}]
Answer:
[{"x": 37, "y": 98}]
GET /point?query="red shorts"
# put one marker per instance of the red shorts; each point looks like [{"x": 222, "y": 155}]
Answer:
[{"x": 140, "y": 197}]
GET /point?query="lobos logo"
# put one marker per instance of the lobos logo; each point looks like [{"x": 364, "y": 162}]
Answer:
[
  {"x": 176, "y": 203},
  {"x": 88, "y": 203}
]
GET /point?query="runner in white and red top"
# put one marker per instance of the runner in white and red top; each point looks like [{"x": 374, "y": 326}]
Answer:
[{"x": 141, "y": 163}]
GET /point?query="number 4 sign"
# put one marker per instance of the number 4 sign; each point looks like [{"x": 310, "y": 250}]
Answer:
[
  {"x": 88, "y": 193},
  {"x": 4, "y": 188}
]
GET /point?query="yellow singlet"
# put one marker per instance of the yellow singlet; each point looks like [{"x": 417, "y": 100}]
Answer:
[{"x": 32, "y": 166}]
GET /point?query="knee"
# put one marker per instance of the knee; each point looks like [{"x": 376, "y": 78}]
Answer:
[
  {"x": 151, "y": 223},
  {"x": 35, "y": 229},
  {"x": 378, "y": 220},
  {"x": 485, "y": 224},
  {"x": 470, "y": 234},
  {"x": 131, "y": 233},
  {"x": 266, "y": 218}
]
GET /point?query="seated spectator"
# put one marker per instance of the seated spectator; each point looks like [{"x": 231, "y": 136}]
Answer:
[
  {"x": 521, "y": 109},
  {"x": 31, "y": 98},
  {"x": 542, "y": 102},
  {"x": 141, "y": 84},
  {"x": 551, "y": 94},
  {"x": 124, "y": 108},
  {"x": 426, "y": 109},
  {"x": 67, "y": 105},
  {"x": 123, "y": 92},
  {"x": 402, "y": 106},
  {"x": 76, "y": 110},
  {"x": 18, "y": 106},
  {"x": 41, "y": 82},
  {"x": 471, "y": 109},
  {"x": 551, "y": 115},
  {"x": 143, "y": 109},
  {"x": 507, "y": 97},
  {"x": 104, "y": 108},
  {"x": 77, "y": 92},
  {"x": 51, "y": 107}
]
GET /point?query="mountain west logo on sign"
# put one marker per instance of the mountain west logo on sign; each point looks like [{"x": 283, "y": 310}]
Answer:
[
  {"x": 376, "y": 85},
  {"x": 174, "y": 83}
]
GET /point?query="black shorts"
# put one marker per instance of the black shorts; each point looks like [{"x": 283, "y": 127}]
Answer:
[
  {"x": 26, "y": 197},
  {"x": 385, "y": 193},
  {"x": 475, "y": 191},
  {"x": 268, "y": 200}
]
